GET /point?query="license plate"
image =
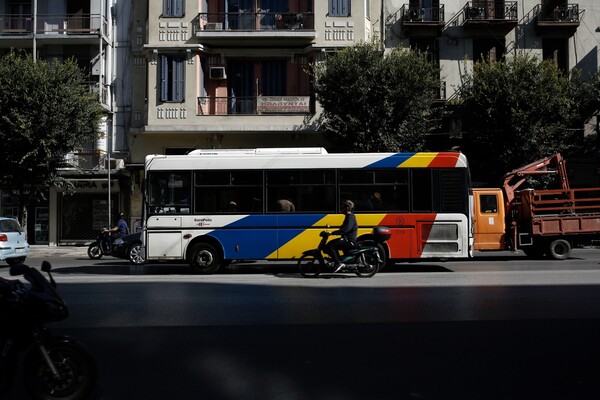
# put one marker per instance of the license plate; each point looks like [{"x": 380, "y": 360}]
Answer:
[{"x": 19, "y": 250}]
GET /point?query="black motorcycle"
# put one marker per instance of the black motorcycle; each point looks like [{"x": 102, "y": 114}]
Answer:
[
  {"x": 101, "y": 247},
  {"x": 54, "y": 367},
  {"x": 365, "y": 259}
]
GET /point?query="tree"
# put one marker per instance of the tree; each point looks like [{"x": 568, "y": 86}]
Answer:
[
  {"x": 517, "y": 111},
  {"x": 376, "y": 102},
  {"x": 46, "y": 111}
]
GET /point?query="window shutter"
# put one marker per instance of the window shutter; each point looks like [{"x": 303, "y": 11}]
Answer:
[
  {"x": 179, "y": 76},
  {"x": 164, "y": 78}
]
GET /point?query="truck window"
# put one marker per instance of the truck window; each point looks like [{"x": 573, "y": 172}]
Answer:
[{"x": 488, "y": 203}]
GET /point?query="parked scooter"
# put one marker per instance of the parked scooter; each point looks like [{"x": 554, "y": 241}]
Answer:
[
  {"x": 54, "y": 367},
  {"x": 101, "y": 247},
  {"x": 364, "y": 260}
]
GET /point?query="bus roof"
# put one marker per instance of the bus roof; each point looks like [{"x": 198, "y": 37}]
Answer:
[{"x": 301, "y": 158}]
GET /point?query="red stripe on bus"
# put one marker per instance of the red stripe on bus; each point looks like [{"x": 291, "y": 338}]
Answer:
[{"x": 444, "y": 160}]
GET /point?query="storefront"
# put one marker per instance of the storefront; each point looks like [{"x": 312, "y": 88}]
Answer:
[
  {"x": 83, "y": 210},
  {"x": 38, "y": 216}
]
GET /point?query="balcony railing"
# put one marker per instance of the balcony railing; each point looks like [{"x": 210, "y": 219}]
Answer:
[
  {"x": 83, "y": 159},
  {"x": 102, "y": 90},
  {"x": 252, "y": 105},
  {"x": 490, "y": 10},
  {"x": 253, "y": 21},
  {"x": 412, "y": 13},
  {"x": 81, "y": 24},
  {"x": 567, "y": 13}
]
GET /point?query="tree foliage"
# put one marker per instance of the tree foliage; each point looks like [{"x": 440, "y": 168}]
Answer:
[
  {"x": 376, "y": 102},
  {"x": 520, "y": 110},
  {"x": 46, "y": 111}
]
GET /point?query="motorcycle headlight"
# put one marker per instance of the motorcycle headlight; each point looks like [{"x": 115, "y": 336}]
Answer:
[{"x": 118, "y": 242}]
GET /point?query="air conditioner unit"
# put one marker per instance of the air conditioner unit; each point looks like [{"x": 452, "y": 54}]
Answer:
[
  {"x": 214, "y": 26},
  {"x": 217, "y": 73}
]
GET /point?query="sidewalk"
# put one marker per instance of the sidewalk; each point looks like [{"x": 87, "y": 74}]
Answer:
[{"x": 45, "y": 251}]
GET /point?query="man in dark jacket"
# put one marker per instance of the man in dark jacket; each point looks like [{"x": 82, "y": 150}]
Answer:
[{"x": 348, "y": 232}]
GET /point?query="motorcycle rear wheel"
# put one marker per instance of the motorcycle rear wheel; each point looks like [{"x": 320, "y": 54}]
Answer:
[
  {"x": 309, "y": 266},
  {"x": 94, "y": 251},
  {"x": 77, "y": 373},
  {"x": 368, "y": 265}
]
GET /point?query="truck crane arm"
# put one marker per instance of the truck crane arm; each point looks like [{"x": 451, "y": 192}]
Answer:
[{"x": 514, "y": 179}]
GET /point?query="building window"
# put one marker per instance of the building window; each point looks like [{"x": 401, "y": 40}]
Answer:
[
  {"x": 339, "y": 8},
  {"x": 274, "y": 78},
  {"x": 489, "y": 49},
  {"x": 173, "y": 8},
  {"x": 172, "y": 73}
]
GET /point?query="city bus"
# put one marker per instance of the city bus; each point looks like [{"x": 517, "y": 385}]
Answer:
[{"x": 210, "y": 207}]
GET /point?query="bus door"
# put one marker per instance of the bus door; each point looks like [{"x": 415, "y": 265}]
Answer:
[{"x": 489, "y": 219}]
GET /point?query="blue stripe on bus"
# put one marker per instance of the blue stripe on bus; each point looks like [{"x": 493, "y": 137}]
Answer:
[
  {"x": 281, "y": 220},
  {"x": 391, "y": 162},
  {"x": 258, "y": 236}
]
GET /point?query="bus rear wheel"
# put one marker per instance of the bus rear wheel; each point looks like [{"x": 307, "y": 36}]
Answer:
[{"x": 205, "y": 259}]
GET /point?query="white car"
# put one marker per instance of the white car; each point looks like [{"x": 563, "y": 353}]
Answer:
[{"x": 13, "y": 241}]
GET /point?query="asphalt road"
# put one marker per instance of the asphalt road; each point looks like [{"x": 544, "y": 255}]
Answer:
[{"x": 502, "y": 327}]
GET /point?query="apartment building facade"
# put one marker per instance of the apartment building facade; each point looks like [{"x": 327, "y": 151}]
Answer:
[
  {"x": 232, "y": 73},
  {"x": 86, "y": 30},
  {"x": 456, "y": 33}
]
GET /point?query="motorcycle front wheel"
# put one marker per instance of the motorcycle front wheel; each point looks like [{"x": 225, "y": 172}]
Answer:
[
  {"x": 368, "y": 265},
  {"x": 309, "y": 266},
  {"x": 76, "y": 373},
  {"x": 94, "y": 251}
]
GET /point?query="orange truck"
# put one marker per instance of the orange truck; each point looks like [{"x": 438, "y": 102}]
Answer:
[{"x": 538, "y": 222}]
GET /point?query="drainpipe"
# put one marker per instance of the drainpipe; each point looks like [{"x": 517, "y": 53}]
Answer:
[{"x": 34, "y": 30}]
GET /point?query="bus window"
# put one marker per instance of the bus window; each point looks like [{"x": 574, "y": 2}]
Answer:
[
  {"x": 217, "y": 191},
  {"x": 309, "y": 190},
  {"x": 421, "y": 190},
  {"x": 376, "y": 191},
  {"x": 169, "y": 192}
]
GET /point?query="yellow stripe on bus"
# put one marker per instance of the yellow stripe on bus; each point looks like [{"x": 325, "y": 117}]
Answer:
[
  {"x": 420, "y": 160},
  {"x": 309, "y": 238}
]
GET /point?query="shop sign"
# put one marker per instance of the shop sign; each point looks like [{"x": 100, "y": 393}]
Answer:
[
  {"x": 283, "y": 104},
  {"x": 93, "y": 185}
]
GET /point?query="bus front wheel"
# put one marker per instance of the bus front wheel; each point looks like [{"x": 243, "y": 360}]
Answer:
[{"x": 205, "y": 259}]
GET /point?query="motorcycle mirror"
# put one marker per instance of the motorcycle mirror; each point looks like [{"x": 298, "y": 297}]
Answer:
[
  {"x": 18, "y": 269},
  {"x": 46, "y": 266}
]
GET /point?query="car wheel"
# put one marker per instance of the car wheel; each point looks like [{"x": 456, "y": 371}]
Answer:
[
  {"x": 135, "y": 254},
  {"x": 14, "y": 261}
]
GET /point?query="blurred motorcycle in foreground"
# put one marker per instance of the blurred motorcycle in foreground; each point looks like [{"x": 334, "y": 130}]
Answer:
[{"x": 54, "y": 367}]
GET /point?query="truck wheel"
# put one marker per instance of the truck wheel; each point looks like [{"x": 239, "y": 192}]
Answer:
[{"x": 559, "y": 249}]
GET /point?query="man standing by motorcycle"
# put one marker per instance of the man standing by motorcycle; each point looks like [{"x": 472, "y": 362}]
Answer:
[{"x": 348, "y": 232}]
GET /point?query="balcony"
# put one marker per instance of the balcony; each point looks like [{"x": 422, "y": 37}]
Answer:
[
  {"x": 83, "y": 160},
  {"x": 266, "y": 27},
  {"x": 254, "y": 105},
  {"x": 103, "y": 91},
  {"x": 422, "y": 21},
  {"x": 561, "y": 21},
  {"x": 495, "y": 17},
  {"x": 48, "y": 26}
]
